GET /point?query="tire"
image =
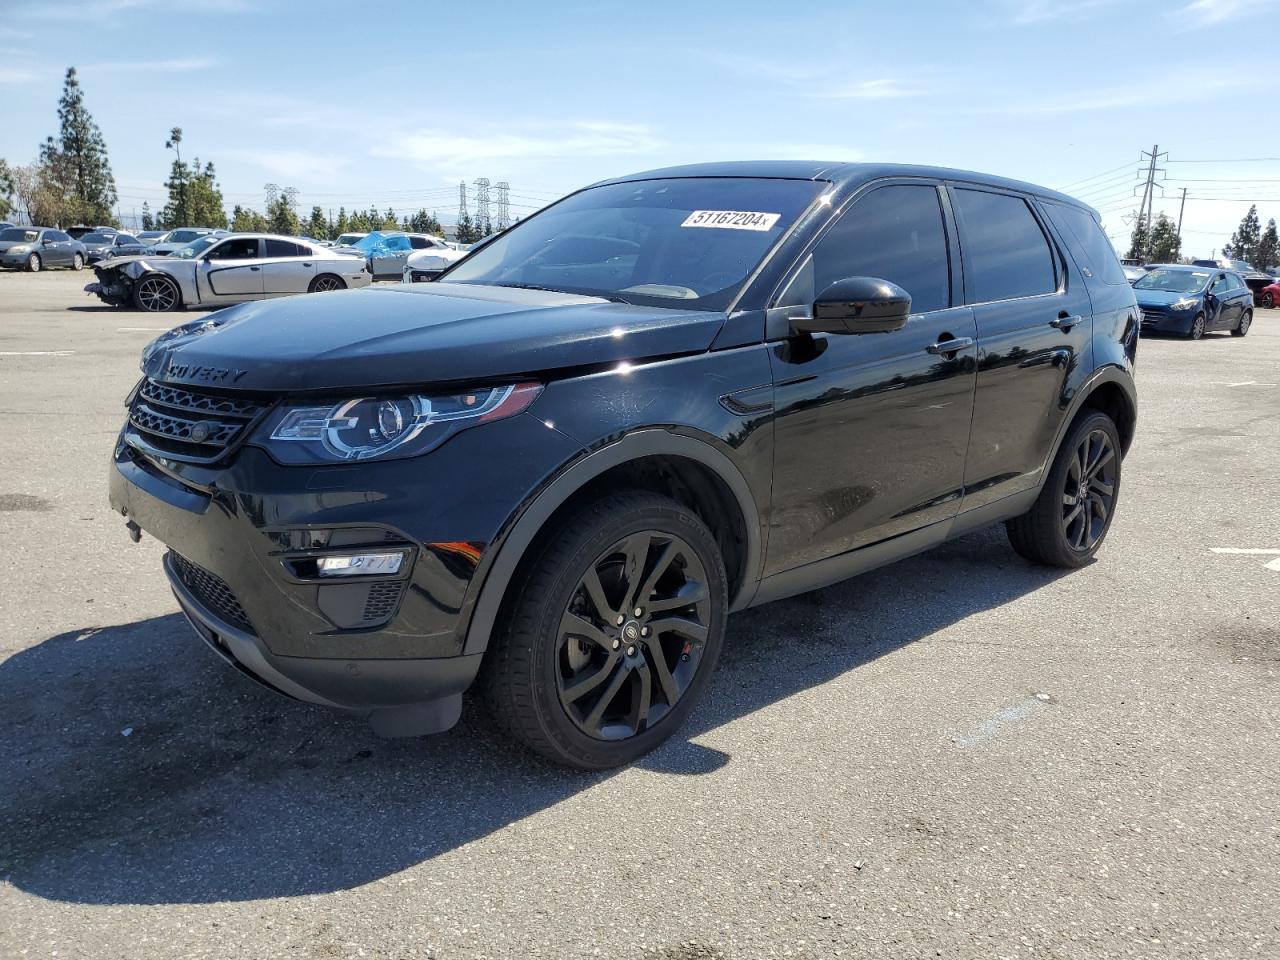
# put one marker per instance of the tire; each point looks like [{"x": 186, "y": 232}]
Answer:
[
  {"x": 1268, "y": 300},
  {"x": 1063, "y": 528},
  {"x": 1197, "y": 328},
  {"x": 156, "y": 293},
  {"x": 77, "y": 262},
  {"x": 1246, "y": 321},
  {"x": 34, "y": 263},
  {"x": 325, "y": 282},
  {"x": 559, "y": 631}
]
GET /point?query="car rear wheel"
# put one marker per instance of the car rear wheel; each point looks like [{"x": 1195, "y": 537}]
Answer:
[
  {"x": 611, "y": 633},
  {"x": 1197, "y": 327},
  {"x": 156, "y": 293},
  {"x": 33, "y": 263},
  {"x": 1073, "y": 513},
  {"x": 1246, "y": 320},
  {"x": 326, "y": 282},
  {"x": 77, "y": 262},
  {"x": 1268, "y": 300}
]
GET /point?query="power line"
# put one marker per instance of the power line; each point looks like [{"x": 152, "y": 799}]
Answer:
[{"x": 1233, "y": 160}]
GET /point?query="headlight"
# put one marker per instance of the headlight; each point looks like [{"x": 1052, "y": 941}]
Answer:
[
  {"x": 20, "y": 248},
  {"x": 379, "y": 428},
  {"x": 1186, "y": 303}
]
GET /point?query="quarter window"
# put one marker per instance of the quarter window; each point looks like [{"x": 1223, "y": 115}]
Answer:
[
  {"x": 1006, "y": 254},
  {"x": 1092, "y": 248},
  {"x": 894, "y": 233}
]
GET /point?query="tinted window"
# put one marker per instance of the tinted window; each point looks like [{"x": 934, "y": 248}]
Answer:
[
  {"x": 283, "y": 248},
  {"x": 419, "y": 243},
  {"x": 18, "y": 234},
  {"x": 1090, "y": 246},
  {"x": 124, "y": 238},
  {"x": 1006, "y": 254},
  {"x": 56, "y": 235},
  {"x": 240, "y": 248},
  {"x": 97, "y": 237},
  {"x": 894, "y": 233}
]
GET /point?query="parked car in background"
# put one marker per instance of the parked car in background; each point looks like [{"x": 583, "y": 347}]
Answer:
[
  {"x": 425, "y": 265},
  {"x": 1269, "y": 295},
  {"x": 150, "y": 235},
  {"x": 5, "y": 224},
  {"x": 349, "y": 239},
  {"x": 37, "y": 248},
  {"x": 221, "y": 270},
  {"x": 179, "y": 238},
  {"x": 387, "y": 253},
  {"x": 1133, "y": 274},
  {"x": 79, "y": 231},
  {"x": 1254, "y": 278},
  {"x": 663, "y": 398},
  {"x": 1190, "y": 300},
  {"x": 101, "y": 245}
]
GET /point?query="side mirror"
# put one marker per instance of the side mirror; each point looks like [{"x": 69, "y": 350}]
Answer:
[
  {"x": 47, "y": 242},
  {"x": 857, "y": 305}
]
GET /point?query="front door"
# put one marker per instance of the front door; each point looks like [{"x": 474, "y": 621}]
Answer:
[
  {"x": 1035, "y": 330},
  {"x": 231, "y": 270},
  {"x": 1220, "y": 305},
  {"x": 871, "y": 429}
]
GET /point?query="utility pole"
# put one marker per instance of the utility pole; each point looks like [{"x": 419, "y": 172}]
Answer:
[
  {"x": 1147, "y": 208},
  {"x": 1181, "y": 207}
]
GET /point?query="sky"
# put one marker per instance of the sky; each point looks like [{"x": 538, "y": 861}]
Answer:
[{"x": 392, "y": 103}]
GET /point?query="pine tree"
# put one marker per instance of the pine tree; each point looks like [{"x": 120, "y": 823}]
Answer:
[
  {"x": 148, "y": 221},
  {"x": 318, "y": 225},
  {"x": 465, "y": 230},
  {"x": 204, "y": 197},
  {"x": 244, "y": 220},
  {"x": 7, "y": 188},
  {"x": 1268, "y": 247},
  {"x": 423, "y": 222},
  {"x": 281, "y": 218},
  {"x": 76, "y": 161},
  {"x": 1244, "y": 242},
  {"x": 1139, "y": 240},
  {"x": 1164, "y": 243},
  {"x": 340, "y": 226}
]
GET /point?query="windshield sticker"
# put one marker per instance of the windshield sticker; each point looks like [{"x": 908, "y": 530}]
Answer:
[{"x": 731, "y": 220}]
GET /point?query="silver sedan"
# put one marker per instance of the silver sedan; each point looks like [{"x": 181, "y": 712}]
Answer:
[{"x": 215, "y": 271}]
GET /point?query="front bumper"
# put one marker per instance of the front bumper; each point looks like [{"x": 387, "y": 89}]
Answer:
[
  {"x": 14, "y": 259},
  {"x": 389, "y": 647},
  {"x": 1163, "y": 321}
]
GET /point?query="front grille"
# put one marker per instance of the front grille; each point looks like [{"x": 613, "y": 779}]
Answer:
[
  {"x": 382, "y": 601},
  {"x": 212, "y": 592},
  {"x": 191, "y": 424},
  {"x": 1152, "y": 316},
  {"x": 424, "y": 276}
]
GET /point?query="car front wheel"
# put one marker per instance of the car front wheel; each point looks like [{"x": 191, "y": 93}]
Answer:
[
  {"x": 612, "y": 632},
  {"x": 1197, "y": 327},
  {"x": 156, "y": 293},
  {"x": 77, "y": 262},
  {"x": 1071, "y": 517},
  {"x": 33, "y": 263}
]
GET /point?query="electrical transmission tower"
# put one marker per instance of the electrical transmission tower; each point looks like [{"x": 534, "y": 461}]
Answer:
[
  {"x": 273, "y": 192},
  {"x": 462, "y": 200},
  {"x": 1149, "y": 190},
  {"x": 502, "y": 219},
  {"x": 482, "y": 202},
  {"x": 291, "y": 198}
]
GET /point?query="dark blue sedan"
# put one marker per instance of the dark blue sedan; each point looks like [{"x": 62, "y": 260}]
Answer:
[{"x": 1191, "y": 300}]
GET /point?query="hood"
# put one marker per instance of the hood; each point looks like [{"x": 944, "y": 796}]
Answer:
[
  {"x": 421, "y": 334},
  {"x": 1162, "y": 298},
  {"x": 112, "y": 262}
]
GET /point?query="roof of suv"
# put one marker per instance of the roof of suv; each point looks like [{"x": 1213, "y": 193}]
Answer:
[{"x": 839, "y": 173}]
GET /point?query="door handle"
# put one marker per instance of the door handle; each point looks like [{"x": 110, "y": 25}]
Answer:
[
  {"x": 255, "y": 268},
  {"x": 306, "y": 264},
  {"x": 1065, "y": 322},
  {"x": 954, "y": 345}
]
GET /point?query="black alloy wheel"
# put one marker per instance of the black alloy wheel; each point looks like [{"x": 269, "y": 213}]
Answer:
[
  {"x": 1088, "y": 494},
  {"x": 633, "y": 635},
  {"x": 1268, "y": 300},
  {"x": 326, "y": 282},
  {"x": 1069, "y": 520},
  {"x": 609, "y": 632}
]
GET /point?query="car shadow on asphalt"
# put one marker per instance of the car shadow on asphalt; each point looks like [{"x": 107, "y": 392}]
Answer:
[{"x": 139, "y": 769}]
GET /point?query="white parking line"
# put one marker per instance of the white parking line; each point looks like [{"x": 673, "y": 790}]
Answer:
[
  {"x": 1240, "y": 383},
  {"x": 36, "y": 353},
  {"x": 1253, "y": 552},
  {"x": 987, "y": 729}
]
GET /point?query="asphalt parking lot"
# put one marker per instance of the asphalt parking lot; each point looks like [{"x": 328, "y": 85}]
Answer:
[{"x": 959, "y": 756}]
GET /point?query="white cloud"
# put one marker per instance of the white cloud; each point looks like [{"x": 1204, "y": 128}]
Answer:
[
  {"x": 16, "y": 75},
  {"x": 1219, "y": 11},
  {"x": 580, "y": 139},
  {"x": 185, "y": 65},
  {"x": 1040, "y": 11},
  {"x": 290, "y": 165},
  {"x": 882, "y": 88}
]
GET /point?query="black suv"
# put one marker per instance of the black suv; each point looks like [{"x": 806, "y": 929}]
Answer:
[{"x": 667, "y": 397}]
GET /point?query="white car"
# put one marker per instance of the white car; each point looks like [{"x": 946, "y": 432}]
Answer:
[
  {"x": 425, "y": 265},
  {"x": 179, "y": 238},
  {"x": 214, "y": 271}
]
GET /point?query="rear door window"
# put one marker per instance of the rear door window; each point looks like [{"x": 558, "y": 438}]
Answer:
[
  {"x": 284, "y": 248},
  {"x": 1006, "y": 253},
  {"x": 893, "y": 233},
  {"x": 1092, "y": 249}
]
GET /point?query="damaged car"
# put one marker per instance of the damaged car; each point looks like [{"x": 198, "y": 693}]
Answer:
[{"x": 216, "y": 271}]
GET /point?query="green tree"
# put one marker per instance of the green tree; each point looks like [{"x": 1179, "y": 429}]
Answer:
[
  {"x": 76, "y": 163},
  {"x": 1140, "y": 239},
  {"x": 1244, "y": 242},
  {"x": 466, "y": 231},
  {"x": 148, "y": 221},
  {"x": 1268, "y": 247},
  {"x": 37, "y": 196},
  {"x": 389, "y": 221},
  {"x": 195, "y": 199},
  {"x": 281, "y": 218},
  {"x": 7, "y": 188},
  {"x": 340, "y": 226},
  {"x": 358, "y": 222},
  {"x": 244, "y": 220},
  {"x": 1165, "y": 247},
  {"x": 423, "y": 222},
  {"x": 177, "y": 184},
  {"x": 318, "y": 225}
]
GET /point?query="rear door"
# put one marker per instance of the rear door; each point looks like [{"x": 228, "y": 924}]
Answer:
[
  {"x": 287, "y": 267},
  {"x": 1034, "y": 323},
  {"x": 231, "y": 270}
]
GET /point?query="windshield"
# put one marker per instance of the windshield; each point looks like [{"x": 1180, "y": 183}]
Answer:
[
  {"x": 97, "y": 238},
  {"x": 1174, "y": 281},
  {"x": 1241, "y": 265},
  {"x": 347, "y": 239},
  {"x": 687, "y": 242},
  {"x": 17, "y": 233},
  {"x": 194, "y": 248},
  {"x": 182, "y": 236}
]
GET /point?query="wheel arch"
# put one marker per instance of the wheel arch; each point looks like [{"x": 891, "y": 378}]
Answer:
[
  {"x": 1110, "y": 390},
  {"x": 691, "y": 471},
  {"x": 177, "y": 284}
]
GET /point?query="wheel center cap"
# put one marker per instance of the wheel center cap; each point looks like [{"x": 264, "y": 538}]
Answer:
[{"x": 631, "y": 631}]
